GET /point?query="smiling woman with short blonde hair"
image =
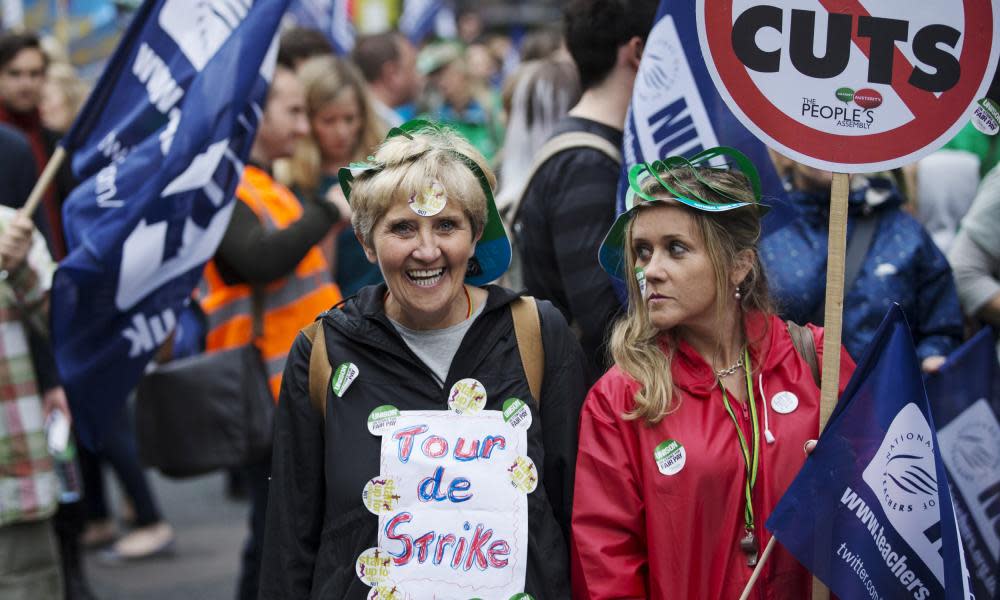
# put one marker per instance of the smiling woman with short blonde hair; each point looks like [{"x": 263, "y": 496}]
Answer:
[{"x": 433, "y": 332}]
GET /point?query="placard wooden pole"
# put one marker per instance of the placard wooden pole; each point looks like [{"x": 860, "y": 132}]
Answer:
[
  {"x": 760, "y": 566},
  {"x": 48, "y": 174},
  {"x": 832, "y": 325},
  {"x": 834, "y": 316}
]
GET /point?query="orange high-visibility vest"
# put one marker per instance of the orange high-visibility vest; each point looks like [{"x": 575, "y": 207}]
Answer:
[{"x": 288, "y": 304}]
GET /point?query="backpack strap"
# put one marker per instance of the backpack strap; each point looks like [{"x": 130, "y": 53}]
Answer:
[
  {"x": 528, "y": 331},
  {"x": 555, "y": 145},
  {"x": 320, "y": 370},
  {"x": 805, "y": 345},
  {"x": 857, "y": 249}
]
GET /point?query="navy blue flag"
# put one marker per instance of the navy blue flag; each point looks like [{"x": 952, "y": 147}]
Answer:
[
  {"x": 160, "y": 148},
  {"x": 676, "y": 110},
  {"x": 965, "y": 402},
  {"x": 870, "y": 513},
  {"x": 331, "y": 17},
  {"x": 417, "y": 20}
]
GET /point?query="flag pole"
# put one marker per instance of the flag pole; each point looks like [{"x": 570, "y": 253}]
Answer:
[
  {"x": 48, "y": 174},
  {"x": 832, "y": 325},
  {"x": 834, "y": 316}
]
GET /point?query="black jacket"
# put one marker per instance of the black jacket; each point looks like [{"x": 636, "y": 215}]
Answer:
[{"x": 317, "y": 525}]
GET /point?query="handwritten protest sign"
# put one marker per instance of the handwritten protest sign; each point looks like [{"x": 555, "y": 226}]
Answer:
[{"x": 452, "y": 505}]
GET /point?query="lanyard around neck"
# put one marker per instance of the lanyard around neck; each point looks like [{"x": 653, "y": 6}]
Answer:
[{"x": 751, "y": 456}]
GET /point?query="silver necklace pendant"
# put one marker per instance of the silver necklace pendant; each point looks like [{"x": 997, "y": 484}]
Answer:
[{"x": 750, "y": 547}]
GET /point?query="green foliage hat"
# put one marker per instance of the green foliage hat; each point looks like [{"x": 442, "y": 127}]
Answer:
[
  {"x": 665, "y": 172},
  {"x": 493, "y": 251}
]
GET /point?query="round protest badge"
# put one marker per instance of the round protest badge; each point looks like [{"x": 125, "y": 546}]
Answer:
[
  {"x": 382, "y": 419},
  {"x": 380, "y": 495},
  {"x": 847, "y": 86},
  {"x": 516, "y": 413},
  {"x": 784, "y": 402},
  {"x": 373, "y": 566},
  {"x": 523, "y": 474},
  {"x": 986, "y": 117},
  {"x": 387, "y": 591},
  {"x": 430, "y": 200},
  {"x": 467, "y": 397},
  {"x": 343, "y": 377},
  {"x": 670, "y": 457},
  {"x": 522, "y": 597}
]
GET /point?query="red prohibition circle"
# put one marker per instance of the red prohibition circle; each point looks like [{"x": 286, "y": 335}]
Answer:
[{"x": 933, "y": 116}]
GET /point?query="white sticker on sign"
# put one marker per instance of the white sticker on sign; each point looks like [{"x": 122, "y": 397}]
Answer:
[
  {"x": 382, "y": 419},
  {"x": 387, "y": 591},
  {"x": 467, "y": 397},
  {"x": 516, "y": 413},
  {"x": 373, "y": 566}
]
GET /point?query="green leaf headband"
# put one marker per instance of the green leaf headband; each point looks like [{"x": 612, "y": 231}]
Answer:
[
  {"x": 612, "y": 253},
  {"x": 493, "y": 251},
  {"x": 664, "y": 171}
]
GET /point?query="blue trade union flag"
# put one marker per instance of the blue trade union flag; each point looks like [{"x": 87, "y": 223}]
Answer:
[
  {"x": 965, "y": 401},
  {"x": 159, "y": 147},
  {"x": 870, "y": 513}
]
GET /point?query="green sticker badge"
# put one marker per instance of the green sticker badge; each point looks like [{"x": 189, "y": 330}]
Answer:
[
  {"x": 522, "y": 597},
  {"x": 986, "y": 116},
  {"x": 373, "y": 566},
  {"x": 670, "y": 457},
  {"x": 382, "y": 419},
  {"x": 516, "y": 413},
  {"x": 343, "y": 377},
  {"x": 523, "y": 474}
]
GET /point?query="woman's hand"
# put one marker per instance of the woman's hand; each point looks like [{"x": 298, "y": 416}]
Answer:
[
  {"x": 15, "y": 241},
  {"x": 932, "y": 363}
]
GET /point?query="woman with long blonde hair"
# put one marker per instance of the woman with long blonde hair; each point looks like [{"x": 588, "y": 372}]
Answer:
[
  {"x": 688, "y": 442},
  {"x": 345, "y": 128}
]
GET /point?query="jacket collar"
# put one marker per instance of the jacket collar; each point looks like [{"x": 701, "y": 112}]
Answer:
[
  {"x": 362, "y": 317},
  {"x": 694, "y": 375},
  {"x": 370, "y": 301}
]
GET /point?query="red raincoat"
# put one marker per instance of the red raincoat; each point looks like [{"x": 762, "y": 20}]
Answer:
[{"x": 638, "y": 533}]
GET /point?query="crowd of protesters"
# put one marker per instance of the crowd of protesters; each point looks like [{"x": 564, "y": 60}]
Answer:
[{"x": 544, "y": 117}]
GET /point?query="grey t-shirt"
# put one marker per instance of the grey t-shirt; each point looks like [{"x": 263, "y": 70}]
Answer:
[{"x": 437, "y": 347}]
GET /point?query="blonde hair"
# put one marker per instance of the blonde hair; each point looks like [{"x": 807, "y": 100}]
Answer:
[
  {"x": 325, "y": 78},
  {"x": 645, "y": 353},
  {"x": 410, "y": 164}
]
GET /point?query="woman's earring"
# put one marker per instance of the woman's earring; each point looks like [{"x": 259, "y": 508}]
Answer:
[{"x": 737, "y": 294}]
